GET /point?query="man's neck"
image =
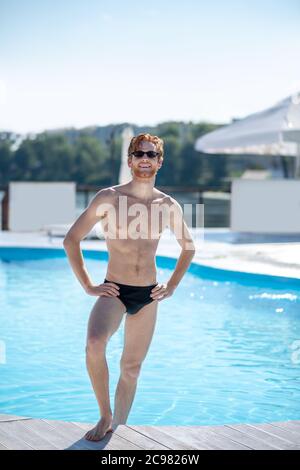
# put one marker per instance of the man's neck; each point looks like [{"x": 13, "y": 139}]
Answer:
[{"x": 141, "y": 189}]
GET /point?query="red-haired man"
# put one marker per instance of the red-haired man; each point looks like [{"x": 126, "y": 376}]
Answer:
[{"x": 130, "y": 285}]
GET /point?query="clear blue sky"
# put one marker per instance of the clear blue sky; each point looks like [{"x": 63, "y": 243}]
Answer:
[{"x": 79, "y": 63}]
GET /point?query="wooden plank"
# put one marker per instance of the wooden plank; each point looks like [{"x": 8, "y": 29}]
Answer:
[
  {"x": 205, "y": 436},
  {"x": 6, "y": 418},
  {"x": 144, "y": 442},
  {"x": 12, "y": 442},
  {"x": 288, "y": 425},
  {"x": 175, "y": 440},
  {"x": 25, "y": 433},
  {"x": 57, "y": 438},
  {"x": 111, "y": 441},
  {"x": 156, "y": 434},
  {"x": 295, "y": 426},
  {"x": 241, "y": 437},
  {"x": 263, "y": 436},
  {"x": 72, "y": 434},
  {"x": 222, "y": 442},
  {"x": 285, "y": 434}
]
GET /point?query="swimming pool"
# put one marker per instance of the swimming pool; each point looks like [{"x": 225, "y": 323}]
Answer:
[{"x": 224, "y": 349}]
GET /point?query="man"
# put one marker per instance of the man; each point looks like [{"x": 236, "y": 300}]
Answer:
[{"x": 130, "y": 284}]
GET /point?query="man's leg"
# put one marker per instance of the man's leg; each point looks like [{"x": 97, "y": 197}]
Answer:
[
  {"x": 105, "y": 319},
  {"x": 138, "y": 333}
]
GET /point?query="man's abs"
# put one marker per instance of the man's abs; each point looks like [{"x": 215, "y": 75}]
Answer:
[{"x": 131, "y": 266}]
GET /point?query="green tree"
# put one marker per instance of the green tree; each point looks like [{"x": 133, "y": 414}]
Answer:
[
  {"x": 192, "y": 164},
  {"x": 170, "y": 172},
  {"x": 5, "y": 161},
  {"x": 91, "y": 161},
  {"x": 55, "y": 156},
  {"x": 24, "y": 161}
]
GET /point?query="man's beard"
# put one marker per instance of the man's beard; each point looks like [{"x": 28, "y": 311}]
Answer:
[{"x": 143, "y": 173}]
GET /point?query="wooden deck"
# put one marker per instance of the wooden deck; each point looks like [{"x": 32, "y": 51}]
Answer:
[{"x": 19, "y": 433}]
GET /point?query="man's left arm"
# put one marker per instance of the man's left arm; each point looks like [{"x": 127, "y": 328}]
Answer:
[{"x": 178, "y": 226}]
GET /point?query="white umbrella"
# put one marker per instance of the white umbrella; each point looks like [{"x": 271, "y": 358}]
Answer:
[
  {"x": 125, "y": 173},
  {"x": 274, "y": 131}
]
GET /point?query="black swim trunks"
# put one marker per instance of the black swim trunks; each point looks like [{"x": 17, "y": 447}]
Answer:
[{"x": 134, "y": 297}]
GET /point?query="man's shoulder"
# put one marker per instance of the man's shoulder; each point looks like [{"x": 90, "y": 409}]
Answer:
[
  {"x": 104, "y": 193},
  {"x": 103, "y": 196},
  {"x": 168, "y": 199}
]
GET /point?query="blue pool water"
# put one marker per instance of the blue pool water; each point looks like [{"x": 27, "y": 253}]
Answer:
[{"x": 226, "y": 346}]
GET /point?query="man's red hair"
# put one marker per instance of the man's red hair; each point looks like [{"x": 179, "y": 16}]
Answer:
[{"x": 135, "y": 142}]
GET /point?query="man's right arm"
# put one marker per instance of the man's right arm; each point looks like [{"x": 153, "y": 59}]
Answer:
[{"x": 78, "y": 231}]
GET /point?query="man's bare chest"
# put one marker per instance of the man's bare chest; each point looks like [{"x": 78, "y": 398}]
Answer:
[{"x": 127, "y": 219}]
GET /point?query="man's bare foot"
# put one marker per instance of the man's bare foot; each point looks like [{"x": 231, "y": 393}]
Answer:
[{"x": 99, "y": 431}]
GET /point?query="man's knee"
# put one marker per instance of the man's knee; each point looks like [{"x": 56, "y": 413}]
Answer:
[
  {"x": 130, "y": 370},
  {"x": 96, "y": 345}
]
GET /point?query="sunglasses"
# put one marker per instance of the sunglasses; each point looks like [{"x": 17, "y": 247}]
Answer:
[{"x": 140, "y": 154}]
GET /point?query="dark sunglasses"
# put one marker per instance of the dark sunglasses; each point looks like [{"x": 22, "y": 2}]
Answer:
[{"x": 140, "y": 154}]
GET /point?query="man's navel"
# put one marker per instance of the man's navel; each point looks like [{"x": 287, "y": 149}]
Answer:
[{"x": 137, "y": 269}]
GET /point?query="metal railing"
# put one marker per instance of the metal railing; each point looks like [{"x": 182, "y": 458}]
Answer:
[
  {"x": 216, "y": 202},
  {"x": 216, "y": 208}
]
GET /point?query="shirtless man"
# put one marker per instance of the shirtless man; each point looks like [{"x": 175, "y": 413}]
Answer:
[{"x": 130, "y": 284}]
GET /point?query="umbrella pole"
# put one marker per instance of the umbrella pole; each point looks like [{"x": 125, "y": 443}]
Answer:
[
  {"x": 284, "y": 167},
  {"x": 297, "y": 163}
]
